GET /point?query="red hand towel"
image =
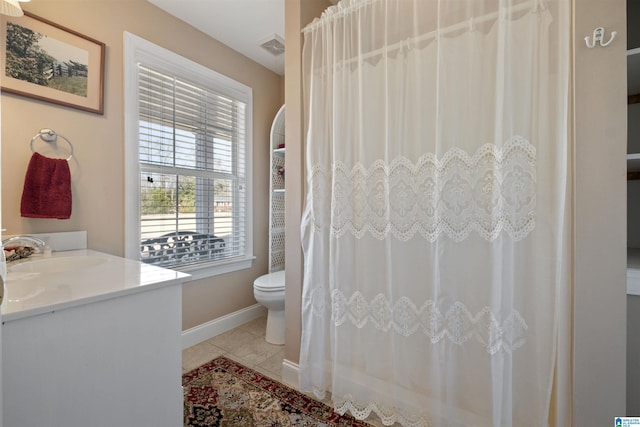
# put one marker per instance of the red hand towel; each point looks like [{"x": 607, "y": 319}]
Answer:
[{"x": 47, "y": 188}]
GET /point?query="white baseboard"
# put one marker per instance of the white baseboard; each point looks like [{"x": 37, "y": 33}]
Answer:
[
  {"x": 215, "y": 327},
  {"x": 290, "y": 373}
]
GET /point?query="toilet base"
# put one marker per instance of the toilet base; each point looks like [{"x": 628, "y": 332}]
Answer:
[{"x": 275, "y": 327}]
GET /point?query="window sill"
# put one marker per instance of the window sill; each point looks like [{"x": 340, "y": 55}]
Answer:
[{"x": 215, "y": 269}]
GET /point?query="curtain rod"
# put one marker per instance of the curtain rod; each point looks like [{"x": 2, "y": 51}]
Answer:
[
  {"x": 330, "y": 15},
  {"x": 470, "y": 23}
]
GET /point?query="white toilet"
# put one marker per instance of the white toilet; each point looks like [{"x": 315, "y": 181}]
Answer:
[{"x": 268, "y": 290}]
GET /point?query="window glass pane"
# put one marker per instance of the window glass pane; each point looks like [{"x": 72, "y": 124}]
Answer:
[
  {"x": 192, "y": 160},
  {"x": 174, "y": 206}
]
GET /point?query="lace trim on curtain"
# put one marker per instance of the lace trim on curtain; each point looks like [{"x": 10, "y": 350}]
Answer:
[
  {"x": 457, "y": 324},
  {"x": 388, "y": 415},
  {"x": 491, "y": 191}
]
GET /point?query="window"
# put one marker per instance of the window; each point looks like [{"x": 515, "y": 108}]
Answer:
[{"x": 188, "y": 162}]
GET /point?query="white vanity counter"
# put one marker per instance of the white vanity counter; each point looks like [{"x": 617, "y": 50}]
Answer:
[
  {"x": 91, "y": 339},
  {"x": 58, "y": 284}
]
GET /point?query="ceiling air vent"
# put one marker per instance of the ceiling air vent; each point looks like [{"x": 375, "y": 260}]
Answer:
[{"x": 273, "y": 44}]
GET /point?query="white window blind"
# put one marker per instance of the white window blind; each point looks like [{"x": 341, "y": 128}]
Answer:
[{"x": 192, "y": 152}]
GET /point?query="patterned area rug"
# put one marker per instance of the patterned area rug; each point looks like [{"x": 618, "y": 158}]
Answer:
[{"x": 225, "y": 393}]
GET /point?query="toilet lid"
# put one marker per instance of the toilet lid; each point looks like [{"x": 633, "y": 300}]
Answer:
[{"x": 270, "y": 282}]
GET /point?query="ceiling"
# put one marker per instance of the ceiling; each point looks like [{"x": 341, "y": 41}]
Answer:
[{"x": 240, "y": 24}]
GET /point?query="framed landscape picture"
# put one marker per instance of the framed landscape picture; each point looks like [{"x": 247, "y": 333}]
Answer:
[{"x": 46, "y": 61}]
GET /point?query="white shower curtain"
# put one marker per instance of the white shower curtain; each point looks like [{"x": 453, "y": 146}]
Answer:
[{"x": 435, "y": 231}]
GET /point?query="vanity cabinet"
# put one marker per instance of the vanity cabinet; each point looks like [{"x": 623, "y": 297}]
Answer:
[{"x": 111, "y": 357}]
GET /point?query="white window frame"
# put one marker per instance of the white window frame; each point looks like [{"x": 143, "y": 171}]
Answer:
[{"x": 136, "y": 51}]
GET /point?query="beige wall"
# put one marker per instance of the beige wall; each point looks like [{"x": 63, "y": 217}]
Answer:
[
  {"x": 600, "y": 114},
  {"x": 298, "y": 13},
  {"x": 97, "y": 167}
]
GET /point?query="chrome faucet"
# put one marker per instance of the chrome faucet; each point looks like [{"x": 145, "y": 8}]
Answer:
[{"x": 39, "y": 244}]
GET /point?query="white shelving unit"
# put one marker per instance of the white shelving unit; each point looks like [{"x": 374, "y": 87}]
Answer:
[
  {"x": 633, "y": 70},
  {"x": 633, "y": 165},
  {"x": 633, "y": 162},
  {"x": 277, "y": 193},
  {"x": 633, "y": 88}
]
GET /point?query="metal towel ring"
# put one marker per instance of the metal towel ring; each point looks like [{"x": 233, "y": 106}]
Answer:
[{"x": 49, "y": 135}]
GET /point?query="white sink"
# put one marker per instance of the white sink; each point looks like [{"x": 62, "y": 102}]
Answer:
[
  {"x": 59, "y": 264},
  {"x": 23, "y": 292}
]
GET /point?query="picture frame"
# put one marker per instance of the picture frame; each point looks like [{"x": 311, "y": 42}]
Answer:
[{"x": 46, "y": 61}]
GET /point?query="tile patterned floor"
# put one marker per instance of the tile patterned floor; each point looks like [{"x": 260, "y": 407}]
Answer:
[{"x": 245, "y": 344}]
